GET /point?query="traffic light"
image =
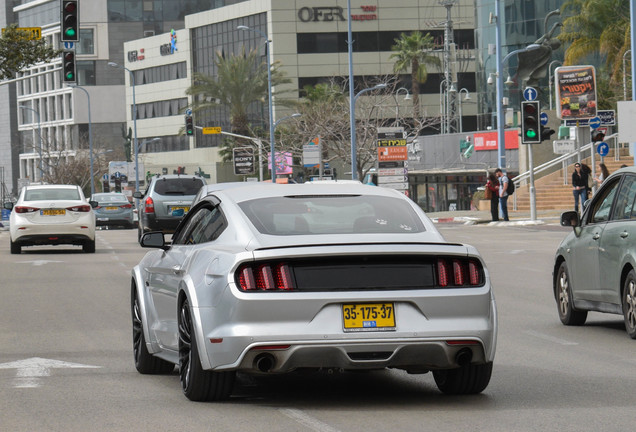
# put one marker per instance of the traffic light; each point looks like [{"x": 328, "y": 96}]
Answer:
[
  {"x": 598, "y": 136},
  {"x": 189, "y": 125},
  {"x": 68, "y": 66},
  {"x": 530, "y": 122},
  {"x": 546, "y": 133},
  {"x": 70, "y": 21}
]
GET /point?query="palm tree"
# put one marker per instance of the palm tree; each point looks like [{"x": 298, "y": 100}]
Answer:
[
  {"x": 412, "y": 52},
  {"x": 240, "y": 80},
  {"x": 596, "y": 27}
]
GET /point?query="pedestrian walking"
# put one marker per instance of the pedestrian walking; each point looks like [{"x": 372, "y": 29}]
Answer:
[{"x": 579, "y": 186}]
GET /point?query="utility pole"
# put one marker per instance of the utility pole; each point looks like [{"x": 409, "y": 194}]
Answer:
[{"x": 450, "y": 72}]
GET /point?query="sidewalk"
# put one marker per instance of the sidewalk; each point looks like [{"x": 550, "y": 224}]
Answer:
[{"x": 471, "y": 217}]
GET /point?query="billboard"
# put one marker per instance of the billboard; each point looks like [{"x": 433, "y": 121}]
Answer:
[{"x": 575, "y": 92}]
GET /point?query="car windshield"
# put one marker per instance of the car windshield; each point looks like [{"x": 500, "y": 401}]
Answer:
[
  {"x": 332, "y": 214},
  {"x": 178, "y": 186},
  {"x": 108, "y": 198},
  {"x": 51, "y": 194}
]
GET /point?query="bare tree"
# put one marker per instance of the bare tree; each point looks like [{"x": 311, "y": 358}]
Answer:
[{"x": 325, "y": 113}]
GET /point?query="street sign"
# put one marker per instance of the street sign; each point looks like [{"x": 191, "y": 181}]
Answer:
[
  {"x": 398, "y": 186},
  {"x": 530, "y": 94},
  {"x": 595, "y": 122},
  {"x": 211, "y": 130},
  {"x": 563, "y": 146},
  {"x": 397, "y": 153},
  {"x": 602, "y": 149},
  {"x": 393, "y": 179},
  {"x": 243, "y": 158},
  {"x": 34, "y": 33},
  {"x": 392, "y": 171},
  {"x": 543, "y": 119},
  {"x": 393, "y": 164}
]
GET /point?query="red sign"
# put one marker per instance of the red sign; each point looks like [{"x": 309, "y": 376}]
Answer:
[
  {"x": 399, "y": 153},
  {"x": 488, "y": 140}
]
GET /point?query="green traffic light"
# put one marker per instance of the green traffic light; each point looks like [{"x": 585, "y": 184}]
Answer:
[
  {"x": 70, "y": 32},
  {"x": 531, "y": 133},
  {"x": 69, "y": 75}
]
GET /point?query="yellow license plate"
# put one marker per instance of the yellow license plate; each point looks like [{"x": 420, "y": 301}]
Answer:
[
  {"x": 368, "y": 317},
  {"x": 112, "y": 208},
  {"x": 53, "y": 212}
]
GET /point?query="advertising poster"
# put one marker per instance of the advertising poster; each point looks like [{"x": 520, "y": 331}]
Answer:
[
  {"x": 488, "y": 140},
  {"x": 575, "y": 92}
]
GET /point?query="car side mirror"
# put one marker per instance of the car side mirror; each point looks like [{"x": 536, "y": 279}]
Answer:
[
  {"x": 154, "y": 239},
  {"x": 570, "y": 218},
  {"x": 93, "y": 203},
  {"x": 8, "y": 205},
  {"x": 138, "y": 195}
]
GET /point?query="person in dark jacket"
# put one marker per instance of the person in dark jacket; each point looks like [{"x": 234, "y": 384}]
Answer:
[
  {"x": 493, "y": 186},
  {"x": 579, "y": 186}
]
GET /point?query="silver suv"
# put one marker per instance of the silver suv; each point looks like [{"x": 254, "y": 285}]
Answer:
[{"x": 166, "y": 201}]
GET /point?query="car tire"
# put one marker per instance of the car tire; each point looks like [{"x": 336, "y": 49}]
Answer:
[
  {"x": 565, "y": 302},
  {"x": 16, "y": 248},
  {"x": 145, "y": 363},
  {"x": 198, "y": 384},
  {"x": 629, "y": 304},
  {"x": 469, "y": 379},
  {"x": 89, "y": 246}
]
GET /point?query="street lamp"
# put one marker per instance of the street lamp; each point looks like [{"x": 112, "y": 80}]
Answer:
[
  {"x": 90, "y": 135},
  {"x": 466, "y": 98},
  {"x": 354, "y": 162},
  {"x": 269, "y": 94},
  {"x": 132, "y": 79},
  {"x": 551, "y": 79},
  {"x": 39, "y": 133},
  {"x": 407, "y": 96}
]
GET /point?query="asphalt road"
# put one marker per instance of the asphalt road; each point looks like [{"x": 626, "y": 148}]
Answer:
[{"x": 66, "y": 358}]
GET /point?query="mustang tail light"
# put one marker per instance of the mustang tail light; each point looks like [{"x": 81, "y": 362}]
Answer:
[
  {"x": 149, "y": 205},
  {"x": 458, "y": 272},
  {"x": 80, "y": 208},
  {"x": 23, "y": 209},
  {"x": 265, "y": 277}
]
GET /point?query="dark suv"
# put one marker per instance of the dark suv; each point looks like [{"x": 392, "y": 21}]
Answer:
[{"x": 165, "y": 202}]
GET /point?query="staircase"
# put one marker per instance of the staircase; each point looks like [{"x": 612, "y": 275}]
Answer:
[{"x": 552, "y": 194}]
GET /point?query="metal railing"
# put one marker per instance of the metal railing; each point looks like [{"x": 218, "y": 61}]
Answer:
[{"x": 565, "y": 160}]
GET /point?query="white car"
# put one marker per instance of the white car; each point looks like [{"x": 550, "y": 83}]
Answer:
[{"x": 52, "y": 215}]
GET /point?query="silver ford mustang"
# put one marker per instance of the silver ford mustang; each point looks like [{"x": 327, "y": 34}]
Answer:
[{"x": 266, "y": 278}]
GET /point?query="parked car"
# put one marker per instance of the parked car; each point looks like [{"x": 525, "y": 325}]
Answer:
[
  {"x": 113, "y": 209},
  {"x": 51, "y": 215},
  {"x": 594, "y": 267},
  {"x": 166, "y": 201},
  {"x": 267, "y": 279}
]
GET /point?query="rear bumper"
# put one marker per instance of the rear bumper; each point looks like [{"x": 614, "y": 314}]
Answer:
[
  {"x": 150, "y": 222},
  {"x": 52, "y": 239}
]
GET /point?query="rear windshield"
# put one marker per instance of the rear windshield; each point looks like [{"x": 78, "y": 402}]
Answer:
[
  {"x": 178, "y": 186},
  {"x": 110, "y": 198},
  {"x": 342, "y": 214},
  {"x": 51, "y": 194}
]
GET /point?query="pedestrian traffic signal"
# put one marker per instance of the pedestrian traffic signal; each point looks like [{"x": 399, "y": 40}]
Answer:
[
  {"x": 70, "y": 21},
  {"x": 68, "y": 66},
  {"x": 546, "y": 133},
  {"x": 530, "y": 122},
  {"x": 189, "y": 125},
  {"x": 598, "y": 136}
]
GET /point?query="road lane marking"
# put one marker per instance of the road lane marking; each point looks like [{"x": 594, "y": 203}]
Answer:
[
  {"x": 38, "y": 263},
  {"x": 307, "y": 420},
  {"x": 550, "y": 338},
  {"x": 29, "y": 371}
]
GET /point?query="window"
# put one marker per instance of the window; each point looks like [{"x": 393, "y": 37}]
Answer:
[
  {"x": 86, "y": 43},
  {"x": 205, "y": 225},
  {"x": 626, "y": 201},
  {"x": 602, "y": 204},
  {"x": 346, "y": 214}
]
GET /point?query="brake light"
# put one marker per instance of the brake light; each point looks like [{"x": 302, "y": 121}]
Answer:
[
  {"x": 464, "y": 272},
  {"x": 266, "y": 277},
  {"x": 126, "y": 206},
  {"x": 149, "y": 205},
  {"x": 23, "y": 209},
  {"x": 80, "y": 208}
]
